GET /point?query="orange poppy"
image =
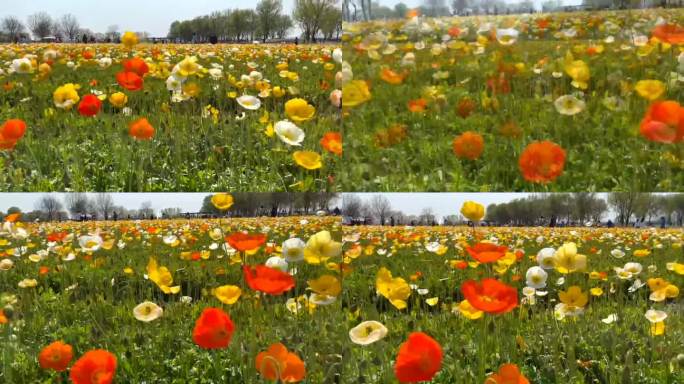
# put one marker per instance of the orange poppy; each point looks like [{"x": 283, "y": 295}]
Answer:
[
  {"x": 507, "y": 374},
  {"x": 411, "y": 13},
  {"x": 391, "y": 77},
  {"x": 88, "y": 54},
  {"x": 13, "y": 217},
  {"x": 277, "y": 360},
  {"x": 96, "y": 366},
  {"x": 542, "y": 161},
  {"x": 419, "y": 359},
  {"x": 465, "y": 107},
  {"x": 13, "y": 129},
  {"x": 129, "y": 80},
  {"x": 332, "y": 142},
  {"x": 141, "y": 129},
  {"x": 664, "y": 122},
  {"x": 469, "y": 145},
  {"x": 454, "y": 31},
  {"x": 56, "y": 356},
  {"x": 3, "y": 318},
  {"x": 136, "y": 65},
  {"x": 417, "y": 105},
  {"x": 268, "y": 280},
  {"x": 490, "y": 295},
  {"x": 246, "y": 241},
  {"x": 89, "y": 106},
  {"x": 487, "y": 252},
  {"x": 7, "y": 143},
  {"x": 395, "y": 134},
  {"x": 669, "y": 33},
  {"x": 213, "y": 329}
]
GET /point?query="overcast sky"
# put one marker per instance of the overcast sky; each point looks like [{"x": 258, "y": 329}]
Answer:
[
  {"x": 417, "y": 3},
  {"x": 153, "y": 16},
  {"x": 187, "y": 202}
]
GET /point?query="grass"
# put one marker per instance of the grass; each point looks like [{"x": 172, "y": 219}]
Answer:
[
  {"x": 88, "y": 303},
  {"x": 547, "y": 350},
  {"x": 604, "y": 150}
]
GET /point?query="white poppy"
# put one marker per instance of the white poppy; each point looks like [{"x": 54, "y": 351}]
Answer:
[
  {"x": 21, "y": 65},
  {"x": 147, "y": 311},
  {"x": 249, "y": 102},
  {"x": 545, "y": 258},
  {"x": 367, "y": 332},
  {"x": 293, "y": 249},
  {"x": 277, "y": 262},
  {"x": 289, "y": 133},
  {"x": 655, "y": 316},
  {"x": 90, "y": 243},
  {"x": 536, "y": 277}
]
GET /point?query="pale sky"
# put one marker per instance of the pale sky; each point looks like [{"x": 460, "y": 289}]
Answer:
[
  {"x": 417, "y": 3},
  {"x": 153, "y": 16},
  {"x": 187, "y": 202}
]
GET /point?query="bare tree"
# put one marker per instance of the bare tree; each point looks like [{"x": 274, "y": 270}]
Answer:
[
  {"x": 380, "y": 206},
  {"x": 104, "y": 204},
  {"x": 77, "y": 204},
  {"x": 624, "y": 204},
  {"x": 50, "y": 205},
  {"x": 146, "y": 209},
  {"x": 13, "y": 27},
  {"x": 40, "y": 24},
  {"x": 69, "y": 26},
  {"x": 351, "y": 205}
]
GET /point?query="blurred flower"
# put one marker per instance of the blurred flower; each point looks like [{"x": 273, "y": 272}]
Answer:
[
  {"x": 147, "y": 311},
  {"x": 96, "y": 366},
  {"x": 213, "y": 329},
  {"x": 367, "y": 332},
  {"x": 419, "y": 359}
]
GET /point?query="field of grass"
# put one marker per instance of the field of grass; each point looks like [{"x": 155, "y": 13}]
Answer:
[
  {"x": 582, "y": 81},
  {"x": 607, "y": 339},
  {"x": 56, "y": 284},
  {"x": 205, "y": 138}
]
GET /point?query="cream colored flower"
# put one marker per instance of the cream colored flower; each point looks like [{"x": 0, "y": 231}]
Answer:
[
  {"x": 147, "y": 311},
  {"x": 367, "y": 332}
]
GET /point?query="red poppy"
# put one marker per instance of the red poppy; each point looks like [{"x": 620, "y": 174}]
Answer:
[
  {"x": 277, "y": 363},
  {"x": 486, "y": 252},
  {"x": 268, "y": 280},
  {"x": 141, "y": 129},
  {"x": 13, "y": 129},
  {"x": 56, "y": 356},
  {"x": 213, "y": 329},
  {"x": 465, "y": 107},
  {"x": 57, "y": 236},
  {"x": 542, "y": 161},
  {"x": 669, "y": 33},
  {"x": 332, "y": 142},
  {"x": 417, "y": 105},
  {"x": 490, "y": 295},
  {"x": 454, "y": 31},
  {"x": 469, "y": 145},
  {"x": 7, "y": 143},
  {"x": 88, "y": 54},
  {"x": 246, "y": 241},
  {"x": 90, "y": 105},
  {"x": 129, "y": 80},
  {"x": 507, "y": 374},
  {"x": 136, "y": 65},
  {"x": 419, "y": 359},
  {"x": 96, "y": 366},
  {"x": 664, "y": 122}
]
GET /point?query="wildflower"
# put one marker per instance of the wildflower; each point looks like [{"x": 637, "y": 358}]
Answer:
[
  {"x": 508, "y": 374},
  {"x": 469, "y": 145},
  {"x": 129, "y": 80},
  {"x": 268, "y": 280},
  {"x": 66, "y": 96},
  {"x": 289, "y": 133},
  {"x": 141, "y": 129},
  {"x": 419, "y": 359},
  {"x": 486, "y": 252},
  {"x": 96, "y": 366},
  {"x": 90, "y": 105},
  {"x": 307, "y": 159},
  {"x": 367, "y": 332},
  {"x": 278, "y": 364},
  {"x": 244, "y": 242},
  {"x": 394, "y": 289},
  {"x": 664, "y": 122},
  {"x": 542, "y": 161},
  {"x": 299, "y": 110},
  {"x": 118, "y": 99},
  {"x": 147, "y": 311},
  {"x": 355, "y": 93},
  {"x": 569, "y": 105},
  {"x": 56, "y": 356},
  {"x": 228, "y": 294},
  {"x": 129, "y": 39},
  {"x": 490, "y": 295},
  {"x": 222, "y": 201},
  {"x": 213, "y": 329},
  {"x": 320, "y": 247},
  {"x": 332, "y": 142}
]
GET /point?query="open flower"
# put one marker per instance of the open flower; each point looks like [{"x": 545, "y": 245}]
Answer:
[
  {"x": 664, "y": 122},
  {"x": 129, "y": 80},
  {"x": 249, "y": 102},
  {"x": 268, "y": 280},
  {"x": 228, "y": 294},
  {"x": 542, "y": 161},
  {"x": 96, "y": 366},
  {"x": 650, "y": 89},
  {"x": 141, "y": 129},
  {"x": 367, "y": 332},
  {"x": 56, "y": 356},
  {"x": 536, "y": 277},
  {"x": 419, "y": 359},
  {"x": 469, "y": 145},
  {"x": 278, "y": 364},
  {"x": 244, "y": 242},
  {"x": 307, "y": 159},
  {"x": 490, "y": 295},
  {"x": 569, "y": 105},
  {"x": 90, "y": 105},
  {"x": 321, "y": 247},
  {"x": 213, "y": 329},
  {"x": 289, "y": 133},
  {"x": 293, "y": 249},
  {"x": 566, "y": 259},
  {"x": 222, "y": 201},
  {"x": 486, "y": 252},
  {"x": 147, "y": 311},
  {"x": 161, "y": 276},
  {"x": 507, "y": 374},
  {"x": 394, "y": 289},
  {"x": 66, "y": 96},
  {"x": 299, "y": 110}
]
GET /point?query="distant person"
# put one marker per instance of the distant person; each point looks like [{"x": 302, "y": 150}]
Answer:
[
  {"x": 115, "y": 216},
  {"x": 85, "y": 39},
  {"x": 296, "y": 40},
  {"x": 392, "y": 221},
  {"x": 610, "y": 224},
  {"x": 662, "y": 221}
]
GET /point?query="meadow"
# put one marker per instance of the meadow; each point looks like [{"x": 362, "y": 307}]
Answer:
[
  {"x": 138, "y": 290},
  {"x": 164, "y": 117},
  {"x": 604, "y": 310},
  {"x": 583, "y": 101}
]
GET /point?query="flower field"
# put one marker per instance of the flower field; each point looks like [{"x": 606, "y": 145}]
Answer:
[
  {"x": 545, "y": 102},
  {"x": 514, "y": 305},
  {"x": 153, "y": 117},
  {"x": 201, "y": 301}
]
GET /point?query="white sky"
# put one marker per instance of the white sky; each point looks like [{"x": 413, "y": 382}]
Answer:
[
  {"x": 417, "y": 3},
  {"x": 153, "y": 16},
  {"x": 188, "y": 202}
]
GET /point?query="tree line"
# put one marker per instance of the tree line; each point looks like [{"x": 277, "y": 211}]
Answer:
[
  {"x": 357, "y": 10},
  {"x": 101, "y": 206},
  {"x": 315, "y": 18},
  {"x": 550, "y": 209},
  {"x": 66, "y": 28}
]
